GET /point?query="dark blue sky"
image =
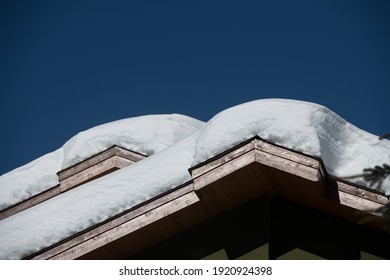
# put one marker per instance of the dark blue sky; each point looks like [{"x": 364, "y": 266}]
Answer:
[{"x": 67, "y": 66}]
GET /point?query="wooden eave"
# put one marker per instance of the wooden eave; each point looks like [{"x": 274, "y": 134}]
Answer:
[
  {"x": 105, "y": 162},
  {"x": 230, "y": 179},
  {"x": 112, "y": 159}
]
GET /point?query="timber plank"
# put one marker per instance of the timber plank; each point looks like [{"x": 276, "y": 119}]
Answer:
[
  {"x": 75, "y": 241},
  {"x": 227, "y": 167},
  {"x": 223, "y": 159},
  {"x": 362, "y": 193},
  {"x": 110, "y": 152},
  {"x": 359, "y": 203},
  {"x": 100, "y": 169},
  {"x": 287, "y": 154},
  {"x": 129, "y": 226},
  {"x": 288, "y": 165}
]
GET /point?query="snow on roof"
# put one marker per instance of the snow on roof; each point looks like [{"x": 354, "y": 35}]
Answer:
[
  {"x": 26, "y": 232},
  {"x": 146, "y": 135},
  {"x": 301, "y": 126},
  {"x": 30, "y": 179}
]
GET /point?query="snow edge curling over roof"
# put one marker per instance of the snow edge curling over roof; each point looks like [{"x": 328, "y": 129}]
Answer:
[{"x": 145, "y": 135}]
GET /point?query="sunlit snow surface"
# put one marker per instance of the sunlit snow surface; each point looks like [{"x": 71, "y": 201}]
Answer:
[
  {"x": 146, "y": 135},
  {"x": 174, "y": 143},
  {"x": 301, "y": 126}
]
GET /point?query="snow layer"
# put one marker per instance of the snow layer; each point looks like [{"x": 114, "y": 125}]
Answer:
[
  {"x": 305, "y": 127},
  {"x": 301, "y": 126},
  {"x": 30, "y": 179},
  {"x": 146, "y": 135},
  {"x": 49, "y": 222}
]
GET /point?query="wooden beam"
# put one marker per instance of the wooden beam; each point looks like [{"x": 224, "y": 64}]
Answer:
[
  {"x": 261, "y": 152},
  {"x": 362, "y": 193},
  {"x": 93, "y": 233},
  {"x": 361, "y": 199},
  {"x": 289, "y": 166},
  {"x": 98, "y": 158},
  {"x": 221, "y": 159},
  {"x": 93, "y": 172},
  {"x": 216, "y": 172},
  {"x": 286, "y": 153},
  {"x": 128, "y": 227}
]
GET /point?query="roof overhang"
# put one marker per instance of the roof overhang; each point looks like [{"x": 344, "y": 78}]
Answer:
[{"x": 244, "y": 172}]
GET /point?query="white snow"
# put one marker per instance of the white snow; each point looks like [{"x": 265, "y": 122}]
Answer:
[
  {"x": 47, "y": 223},
  {"x": 305, "y": 127},
  {"x": 301, "y": 126},
  {"x": 146, "y": 135},
  {"x": 30, "y": 179}
]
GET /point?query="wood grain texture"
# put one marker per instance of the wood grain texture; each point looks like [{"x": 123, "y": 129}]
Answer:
[
  {"x": 128, "y": 227},
  {"x": 260, "y": 152},
  {"x": 111, "y": 224},
  {"x": 94, "y": 160},
  {"x": 287, "y": 154},
  {"x": 93, "y": 172},
  {"x": 219, "y": 171},
  {"x": 218, "y": 161},
  {"x": 362, "y": 193}
]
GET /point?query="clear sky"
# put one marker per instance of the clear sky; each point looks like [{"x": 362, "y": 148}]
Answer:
[{"x": 66, "y": 66}]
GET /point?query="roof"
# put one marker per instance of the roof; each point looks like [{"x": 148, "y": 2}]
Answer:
[
  {"x": 144, "y": 135},
  {"x": 280, "y": 147},
  {"x": 243, "y": 173}
]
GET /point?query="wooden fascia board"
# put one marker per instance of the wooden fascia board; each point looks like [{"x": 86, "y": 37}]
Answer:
[
  {"x": 362, "y": 192},
  {"x": 99, "y": 165},
  {"x": 126, "y": 223},
  {"x": 360, "y": 198},
  {"x": 129, "y": 227},
  {"x": 258, "y": 151},
  {"x": 223, "y": 170},
  {"x": 221, "y": 159},
  {"x": 93, "y": 172},
  {"x": 98, "y": 158},
  {"x": 282, "y": 152},
  {"x": 309, "y": 168},
  {"x": 288, "y": 165}
]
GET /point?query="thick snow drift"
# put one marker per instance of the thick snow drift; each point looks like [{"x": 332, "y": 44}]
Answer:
[
  {"x": 47, "y": 223},
  {"x": 146, "y": 135},
  {"x": 305, "y": 127},
  {"x": 30, "y": 179},
  {"x": 301, "y": 126}
]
